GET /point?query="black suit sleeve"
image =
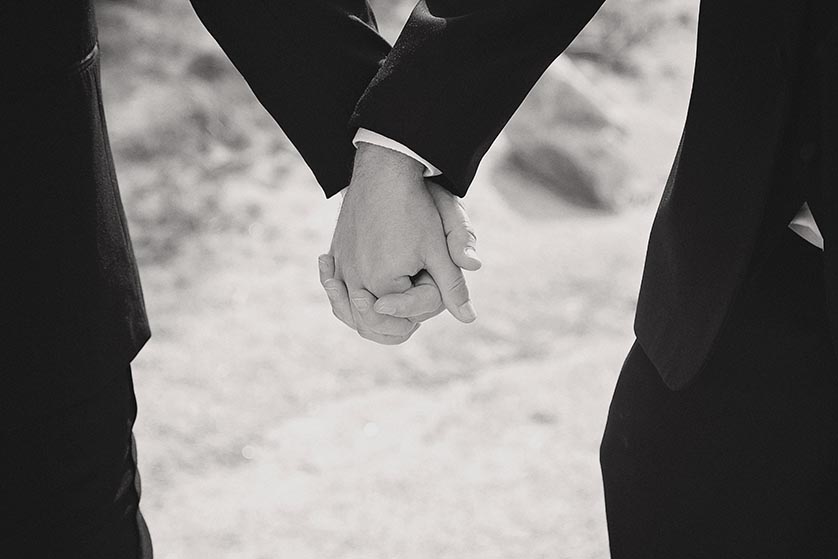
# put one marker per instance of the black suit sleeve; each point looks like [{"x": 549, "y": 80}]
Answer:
[
  {"x": 459, "y": 71},
  {"x": 308, "y": 62}
]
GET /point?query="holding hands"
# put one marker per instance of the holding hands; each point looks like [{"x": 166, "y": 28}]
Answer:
[{"x": 398, "y": 251}]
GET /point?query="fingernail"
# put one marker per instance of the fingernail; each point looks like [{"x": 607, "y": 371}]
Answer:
[
  {"x": 321, "y": 262},
  {"x": 385, "y": 308},
  {"x": 471, "y": 253},
  {"x": 361, "y": 304},
  {"x": 467, "y": 311}
]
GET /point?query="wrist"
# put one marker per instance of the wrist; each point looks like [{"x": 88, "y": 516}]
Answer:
[{"x": 381, "y": 159}]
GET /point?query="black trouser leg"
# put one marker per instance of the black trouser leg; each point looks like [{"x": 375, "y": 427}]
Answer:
[{"x": 69, "y": 486}]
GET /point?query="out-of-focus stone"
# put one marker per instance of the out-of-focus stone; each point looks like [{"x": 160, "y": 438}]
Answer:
[{"x": 564, "y": 138}]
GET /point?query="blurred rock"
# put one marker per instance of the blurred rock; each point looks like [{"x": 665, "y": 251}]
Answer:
[
  {"x": 564, "y": 139},
  {"x": 210, "y": 66}
]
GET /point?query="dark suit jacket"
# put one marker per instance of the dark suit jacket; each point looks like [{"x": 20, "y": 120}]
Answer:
[
  {"x": 758, "y": 121},
  {"x": 762, "y": 111},
  {"x": 70, "y": 296}
]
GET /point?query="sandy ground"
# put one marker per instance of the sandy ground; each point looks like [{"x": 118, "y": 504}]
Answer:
[{"x": 269, "y": 430}]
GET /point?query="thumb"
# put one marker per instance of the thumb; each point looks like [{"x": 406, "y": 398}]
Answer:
[
  {"x": 459, "y": 234},
  {"x": 452, "y": 285}
]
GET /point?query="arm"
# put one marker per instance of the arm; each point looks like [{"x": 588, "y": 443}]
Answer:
[
  {"x": 459, "y": 71},
  {"x": 364, "y": 136},
  {"x": 307, "y": 61}
]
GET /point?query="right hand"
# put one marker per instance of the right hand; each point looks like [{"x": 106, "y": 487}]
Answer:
[
  {"x": 462, "y": 249},
  {"x": 395, "y": 316}
]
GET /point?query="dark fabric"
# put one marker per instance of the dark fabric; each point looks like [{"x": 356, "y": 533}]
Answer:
[
  {"x": 761, "y": 113},
  {"x": 825, "y": 206},
  {"x": 40, "y": 39},
  {"x": 69, "y": 485},
  {"x": 307, "y": 61},
  {"x": 446, "y": 89},
  {"x": 743, "y": 463},
  {"x": 461, "y": 68},
  {"x": 751, "y": 133},
  {"x": 459, "y": 71},
  {"x": 70, "y": 297}
]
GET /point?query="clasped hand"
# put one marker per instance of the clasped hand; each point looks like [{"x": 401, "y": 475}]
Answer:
[{"x": 398, "y": 251}]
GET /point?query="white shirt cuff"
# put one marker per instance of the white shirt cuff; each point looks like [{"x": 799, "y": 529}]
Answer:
[
  {"x": 804, "y": 224},
  {"x": 370, "y": 137}
]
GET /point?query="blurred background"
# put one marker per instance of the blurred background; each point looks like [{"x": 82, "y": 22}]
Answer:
[{"x": 266, "y": 428}]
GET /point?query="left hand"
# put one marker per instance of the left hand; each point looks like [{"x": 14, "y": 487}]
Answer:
[
  {"x": 394, "y": 234},
  {"x": 417, "y": 304}
]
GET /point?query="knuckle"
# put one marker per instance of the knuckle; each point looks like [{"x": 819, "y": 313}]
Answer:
[
  {"x": 465, "y": 234},
  {"x": 470, "y": 231},
  {"x": 458, "y": 285},
  {"x": 361, "y": 304}
]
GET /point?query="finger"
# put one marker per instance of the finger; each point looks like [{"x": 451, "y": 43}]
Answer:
[
  {"x": 419, "y": 303},
  {"x": 339, "y": 299},
  {"x": 335, "y": 290},
  {"x": 459, "y": 233},
  {"x": 326, "y": 267},
  {"x": 452, "y": 285},
  {"x": 388, "y": 340},
  {"x": 424, "y": 278},
  {"x": 395, "y": 285},
  {"x": 369, "y": 322}
]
